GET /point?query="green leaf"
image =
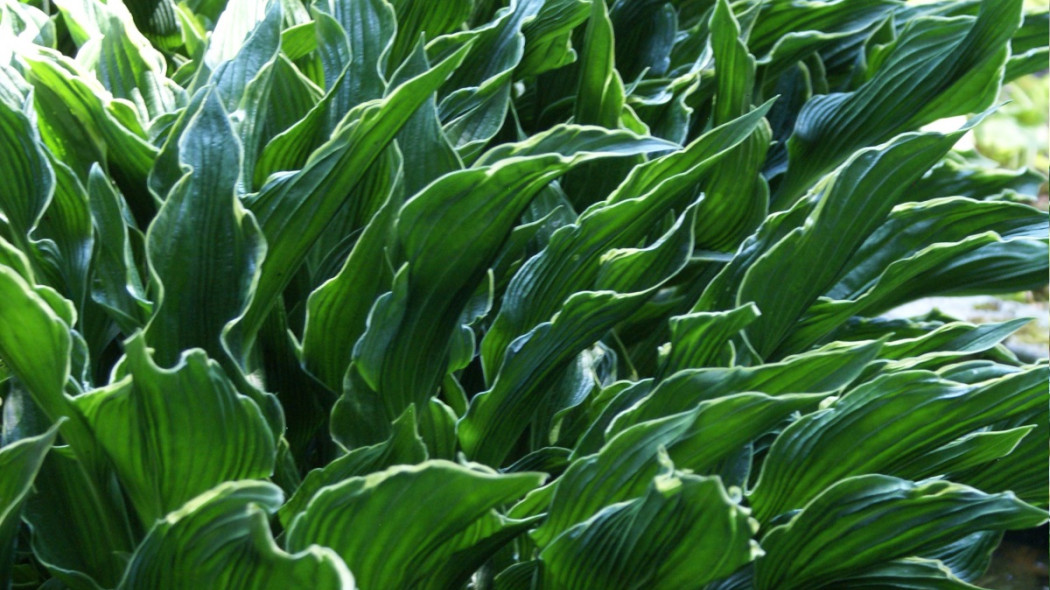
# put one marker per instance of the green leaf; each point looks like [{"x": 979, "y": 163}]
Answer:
[
  {"x": 116, "y": 283},
  {"x": 873, "y": 519},
  {"x": 154, "y": 425},
  {"x": 19, "y": 463},
  {"x": 548, "y": 37},
  {"x": 337, "y": 310},
  {"x": 890, "y": 424},
  {"x": 204, "y": 250},
  {"x": 842, "y": 217},
  {"x": 443, "y": 269},
  {"x": 704, "y": 339},
  {"x": 685, "y": 531},
  {"x": 695, "y": 440},
  {"x": 950, "y": 66},
  {"x": 422, "y": 140},
  {"x": 35, "y": 345},
  {"x": 981, "y": 263},
  {"x": 415, "y": 19},
  {"x": 599, "y": 96},
  {"x": 80, "y": 531},
  {"x": 187, "y": 549},
  {"x": 497, "y": 417},
  {"x": 293, "y": 210},
  {"x": 570, "y": 261},
  {"x": 732, "y": 207},
  {"x": 405, "y": 548},
  {"x": 910, "y": 572},
  {"x": 404, "y": 447},
  {"x": 28, "y": 192},
  {"x": 128, "y": 66},
  {"x": 645, "y": 33},
  {"x": 82, "y": 118},
  {"x": 786, "y": 32},
  {"x": 820, "y": 371},
  {"x": 911, "y": 227}
]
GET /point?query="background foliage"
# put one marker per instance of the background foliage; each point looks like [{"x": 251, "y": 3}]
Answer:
[{"x": 527, "y": 294}]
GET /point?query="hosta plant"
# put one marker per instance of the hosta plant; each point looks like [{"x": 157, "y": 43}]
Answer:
[{"x": 553, "y": 294}]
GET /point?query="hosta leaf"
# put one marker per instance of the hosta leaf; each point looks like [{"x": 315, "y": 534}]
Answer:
[
  {"x": 187, "y": 549},
  {"x": 415, "y": 18},
  {"x": 19, "y": 463},
  {"x": 702, "y": 339},
  {"x": 695, "y": 440},
  {"x": 890, "y": 424},
  {"x": 203, "y": 249},
  {"x": 863, "y": 521},
  {"x": 422, "y": 140},
  {"x": 949, "y": 66},
  {"x": 732, "y": 209},
  {"x": 820, "y": 371},
  {"x": 909, "y": 573},
  {"x": 569, "y": 262},
  {"x": 404, "y": 447},
  {"x": 548, "y": 36},
  {"x": 82, "y": 117},
  {"x": 943, "y": 345},
  {"x": 162, "y": 467},
  {"x": 243, "y": 85},
  {"x": 35, "y": 345},
  {"x": 65, "y": 237},
  {"x": 967, "y": 452},
  {"x": 31, "y": 180},
  {"x": 843, "y": 216},
  {"x": 79, "y": 534},
  {"x": 646, "y": 32},
  {"x": 968, "y": 557},
  {"x": 116, "y": 283},
  {"x": 1027, "y": 49},
  {"x": 957, "y": 177},
  {"x": 296, "y": 94},
  {"x": 1020, "y": 472},
  {"x": 498, "y": 416},
  {"x": 407, "y": 548},
  {"x": 600, "y": 94},
  {"x": 785, "y": 32},
  {"x": 368, "y": 28},
  {"x": 293, "y": 210},
  {"x": 126, "y": 64},
  {"x": 685, "y": 531},
  {"x": 911, "y": 227},
  {"x": 233, "y": 29},
  {"x": 443, "y": 269},
  {"x": 337, "y": 310},
  {"x": 983, "y": 263}
]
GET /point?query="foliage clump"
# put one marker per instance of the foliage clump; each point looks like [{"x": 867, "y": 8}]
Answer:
[{"x": 565, "y": 294}]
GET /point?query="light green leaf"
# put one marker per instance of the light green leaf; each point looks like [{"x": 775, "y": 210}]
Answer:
[
  {"x": 873, "y": 519},
  {"x": 186, "y": 549},
  {"x": 684, "y": 532},
  {"x": 695, "y": 440},
  {"x": 412, "y": 549},
  {"x": 154, "y": 425}
]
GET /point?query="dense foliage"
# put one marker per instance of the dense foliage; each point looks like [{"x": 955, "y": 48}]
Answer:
[{"x": 558, "y": 294}]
